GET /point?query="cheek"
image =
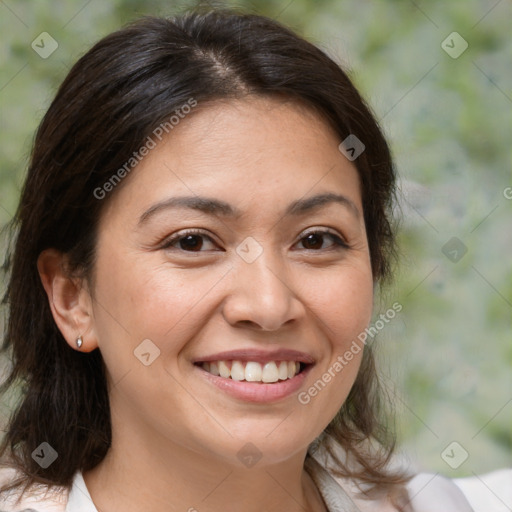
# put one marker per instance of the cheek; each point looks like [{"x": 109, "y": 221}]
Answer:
[
  {"x": 343, "y": 301},
  {"x": 148, "y": 300},
  {"x": 343, "y": 304}
]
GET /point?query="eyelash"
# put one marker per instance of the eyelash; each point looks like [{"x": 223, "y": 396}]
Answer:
[{"x": 338, "y": 241}]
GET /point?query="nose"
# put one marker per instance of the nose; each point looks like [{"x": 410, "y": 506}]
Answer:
[{"x": 262, "y": 295}]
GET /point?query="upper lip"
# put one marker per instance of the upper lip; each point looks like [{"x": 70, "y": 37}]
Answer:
[{"x": 258, "y": 356}]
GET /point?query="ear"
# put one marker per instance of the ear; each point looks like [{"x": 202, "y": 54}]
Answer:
[{"x": 69, "y": 298}]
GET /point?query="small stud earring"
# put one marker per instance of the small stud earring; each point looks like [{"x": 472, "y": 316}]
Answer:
[{"x": 79, "y": 341}]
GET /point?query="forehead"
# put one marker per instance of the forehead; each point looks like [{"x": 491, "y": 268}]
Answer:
[{"x": 256, "y": 152}]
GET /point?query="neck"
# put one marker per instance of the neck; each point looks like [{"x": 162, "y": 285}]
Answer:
[{"x": 161, "y": 475}]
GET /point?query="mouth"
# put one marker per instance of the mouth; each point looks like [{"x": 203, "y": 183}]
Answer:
[
  {"x": 256, "y": 376},
  {"x": 254, "y": 371}
]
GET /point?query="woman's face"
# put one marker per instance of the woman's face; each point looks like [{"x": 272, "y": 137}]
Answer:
[{"x": 251, "y": 284}]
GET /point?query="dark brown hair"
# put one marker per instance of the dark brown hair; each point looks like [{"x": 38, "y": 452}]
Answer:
[{"x": 111, "y": 100}]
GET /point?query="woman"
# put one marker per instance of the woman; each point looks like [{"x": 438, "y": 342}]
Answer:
[{"x": 204, "y": 221}]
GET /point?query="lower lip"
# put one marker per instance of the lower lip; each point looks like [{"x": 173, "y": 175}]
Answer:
[{"x": 257, "y": 391}]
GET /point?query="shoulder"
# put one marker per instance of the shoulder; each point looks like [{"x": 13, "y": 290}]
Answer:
[
  {"x": 423, "y": 492},
  {"x": 429, "y": 492},
  {"x": 490, "y": 492},
  {"x": 39, "y": 498}
]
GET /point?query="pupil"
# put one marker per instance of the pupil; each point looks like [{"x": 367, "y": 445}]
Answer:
[
  {"x": 310, "y": 240},
  {"x": 190, "y": 242}
]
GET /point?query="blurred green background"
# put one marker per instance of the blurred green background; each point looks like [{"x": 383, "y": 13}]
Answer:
[{"x": 447, "y": 357}]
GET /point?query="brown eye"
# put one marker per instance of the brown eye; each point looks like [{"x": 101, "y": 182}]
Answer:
[
  {"x": 190, "y": 241},
  {"x": 315, "y": 240}
]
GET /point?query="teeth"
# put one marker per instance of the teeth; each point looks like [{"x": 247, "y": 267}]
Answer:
[
  {"x": 251, "y": 371},
  {"x": 283, "y": 370},
  {"x": 224, "y": 370},
  {"x": 214, "y": 368},
  {"x": 270, "y": 373},
  {"x": 237, "y": 371}
]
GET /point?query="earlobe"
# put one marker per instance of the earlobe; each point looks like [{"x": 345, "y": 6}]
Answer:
[{"x": 69, "y": 301}]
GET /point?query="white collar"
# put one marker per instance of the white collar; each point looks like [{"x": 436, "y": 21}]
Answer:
[
  {"x": 79, "y": 499},
  {"x": 334, "y": 496}
]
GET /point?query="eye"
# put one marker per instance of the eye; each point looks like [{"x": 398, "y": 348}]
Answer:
[
  {"x": 314, "y": 240},
  {"x": 193, "y": 241},
  {"x": 189, "y": 241}
]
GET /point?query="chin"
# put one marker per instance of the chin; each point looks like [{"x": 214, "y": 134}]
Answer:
[{"x": 261, "y": 449}]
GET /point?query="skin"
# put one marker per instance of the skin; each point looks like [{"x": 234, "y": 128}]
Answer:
[{"x": 176, "y": 437}]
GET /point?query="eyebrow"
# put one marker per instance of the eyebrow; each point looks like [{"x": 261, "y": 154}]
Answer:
[{"x": 220, "y": 208}]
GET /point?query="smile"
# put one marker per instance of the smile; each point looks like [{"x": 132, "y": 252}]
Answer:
[
  {"x": 252, "y": 371},
  {"x": 251, "y": 381}
]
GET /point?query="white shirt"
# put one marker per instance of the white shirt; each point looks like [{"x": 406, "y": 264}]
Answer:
[{"x": 427, "y": 493}]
